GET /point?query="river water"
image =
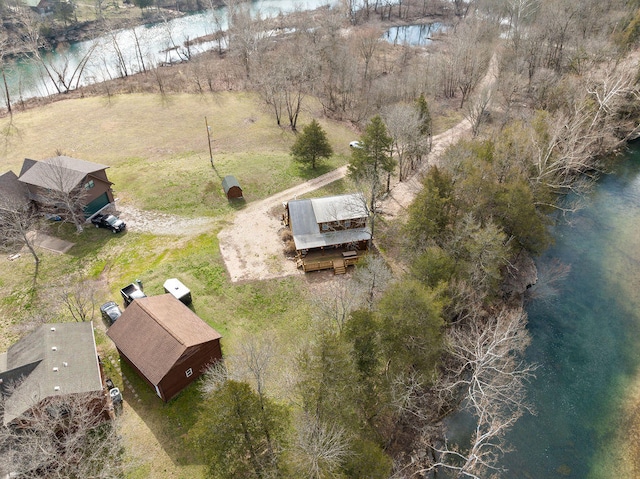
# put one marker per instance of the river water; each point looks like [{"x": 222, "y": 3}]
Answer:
[
  {"x": 585, "y": 337},
  {"x": 111, "y": 55}
]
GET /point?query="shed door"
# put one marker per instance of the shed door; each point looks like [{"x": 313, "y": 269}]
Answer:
[{"x": 100, "y": 202}]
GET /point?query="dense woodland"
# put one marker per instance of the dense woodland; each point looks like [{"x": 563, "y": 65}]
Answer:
[{"x": 550, "y": 89}]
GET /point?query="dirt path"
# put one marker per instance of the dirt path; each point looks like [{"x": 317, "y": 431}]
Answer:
[
  {"x": 251, "y": 247},
  {"x": 161, "y": 223}
]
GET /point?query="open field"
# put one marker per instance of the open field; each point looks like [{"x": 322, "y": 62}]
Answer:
[
  {"x": 159, "y": 161},
  {"x": 157, "y": 147}
]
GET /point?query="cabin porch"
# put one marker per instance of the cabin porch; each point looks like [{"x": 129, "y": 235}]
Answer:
[{"x": 336, "y": 258}]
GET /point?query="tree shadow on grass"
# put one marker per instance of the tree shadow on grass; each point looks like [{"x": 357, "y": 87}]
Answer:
[
  {"x": 237, "y": 203},
  {"x": 168, "y": 422},
  {"x": 308, "y": 173},
  {"x": 88, "y": 242}
]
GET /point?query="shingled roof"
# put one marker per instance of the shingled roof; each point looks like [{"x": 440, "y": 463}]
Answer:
[
  {"x": 60, "y": 172},
  {"x": 53, "y": 360},
  {"x": 13, "y": 194},
  {"x": 155, "y": 331}
]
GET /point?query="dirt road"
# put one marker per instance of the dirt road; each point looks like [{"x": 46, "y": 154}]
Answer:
[{"x": 251, "y": 247}]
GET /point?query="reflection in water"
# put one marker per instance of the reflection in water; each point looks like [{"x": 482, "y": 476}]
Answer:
[
  {"x": 125, "y": 51},
  {"x": 586, "y": 341},
  {"x": 412, "y": 35}
]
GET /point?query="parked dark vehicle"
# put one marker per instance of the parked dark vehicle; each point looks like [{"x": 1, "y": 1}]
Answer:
[
  {"x": 131, "y": 292},
  {"x": 111, "y": 222},
  {"x": 110, "y": 311}
]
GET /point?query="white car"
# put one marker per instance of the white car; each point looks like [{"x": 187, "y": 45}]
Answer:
[{"x": 355, "y": 144}]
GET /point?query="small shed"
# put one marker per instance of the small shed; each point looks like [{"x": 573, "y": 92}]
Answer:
[
  {"x": 231, "y": 187},
  {"x": 175, "y": 288}
]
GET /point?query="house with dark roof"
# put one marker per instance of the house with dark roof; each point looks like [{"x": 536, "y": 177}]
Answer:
[
  {"x": 67, "y": 175},
  {"x": 165, "y": 342},
  {"x": 14, "y": 195},
  {"x": 329, "y": 232},
  {"x": 54, "y": 360}
]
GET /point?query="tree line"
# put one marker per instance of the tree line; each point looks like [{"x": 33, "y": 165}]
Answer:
[{"x": 392, "y": 355}]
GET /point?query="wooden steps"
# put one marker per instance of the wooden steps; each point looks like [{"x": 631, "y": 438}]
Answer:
[{"x": 339, "y": 267}]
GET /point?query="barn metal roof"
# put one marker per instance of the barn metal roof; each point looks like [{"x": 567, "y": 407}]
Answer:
[
  {"x": 339, "y": 208},
  {"x": 229, "y": 182},
  {"x": 306, "y": 215}
]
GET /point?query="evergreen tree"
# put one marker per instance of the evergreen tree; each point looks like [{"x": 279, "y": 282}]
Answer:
[
  {"x": 371, "y": 160},
  {"x": 237, "y": 435},
  {"x": 411, "y": 328},
  {"x": 433, "y": 214},
  {"x": 142, "y": 4},
  {"x": 311, "y": 146},
  {"x": 373, "y": 157},
  {"x": 426, "y": 125}
]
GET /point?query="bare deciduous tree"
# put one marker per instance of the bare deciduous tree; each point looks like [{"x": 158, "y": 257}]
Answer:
[
  {"x": 486, "y": 369},
  {"x": 18, "y": 222},
  {"x": 66, "y": 436},
  {"x": 367, "y": 41},
  {"x": 78, "y": 298},
  {"x": 63, "y": 194},
  {"x": 409, "y": 145},
  {"x": 477, "y": 110},
  {"x": 320, "y": 449},
  {"x": 213, "y": 377},
  {"x": 246, "y": 34},
  {"x": 253, "y": 358},
  {"x": 4, "y": 43},
  {"x": 569, "y": 142},
  {"x": 286, "y": 76},
  {"x": 464, "y": 61},
  {"x": 64, "y": 70},
  {"x": 372, "y": 277},
  {"x": 335, "y": 303}
]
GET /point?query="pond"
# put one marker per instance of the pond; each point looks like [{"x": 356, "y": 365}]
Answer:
[{"x": 412, "y": 35}]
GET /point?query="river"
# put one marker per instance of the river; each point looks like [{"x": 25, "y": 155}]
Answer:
[
  {"x": 111, "y": 55},
  {"x": 585, "y": 337}
]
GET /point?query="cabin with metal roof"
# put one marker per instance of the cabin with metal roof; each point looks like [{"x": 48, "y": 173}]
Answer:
[
  {"x": 165, "y": 342},
  {"x": 329, "y": 232}
]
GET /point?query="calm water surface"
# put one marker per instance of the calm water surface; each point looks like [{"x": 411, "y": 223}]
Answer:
[
  {"x": 158, "y": 43},
  {"x": 586, "y": 338},
  {"x": 413, "y": 35}
]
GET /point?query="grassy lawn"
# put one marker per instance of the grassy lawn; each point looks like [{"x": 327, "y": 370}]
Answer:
[
  {"x": 158, "y": 156},
  {"x": 157, "y": 148}
]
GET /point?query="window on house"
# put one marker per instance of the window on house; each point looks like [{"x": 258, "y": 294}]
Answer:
[
  {"x": 188, "y": 372},
  {"x": 89, "y": 184},
  {"x": 347, "y": 223},
  {"x": 325, "y": 226}
]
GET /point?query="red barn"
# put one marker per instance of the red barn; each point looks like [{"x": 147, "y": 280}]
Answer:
[{"x": 165, "y": 342}]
